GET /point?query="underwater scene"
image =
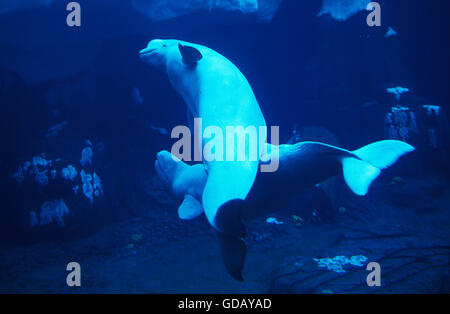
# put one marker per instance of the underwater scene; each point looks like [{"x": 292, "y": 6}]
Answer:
[{"x": 224, "y": 146}]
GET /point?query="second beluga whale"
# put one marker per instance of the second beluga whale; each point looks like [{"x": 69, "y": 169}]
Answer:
[
  {"x": 229, "y": 192},
  {"x": 301, "y": 165}
]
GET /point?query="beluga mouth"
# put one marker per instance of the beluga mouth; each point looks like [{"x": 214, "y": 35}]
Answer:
[{"x": 145, "y": 51}]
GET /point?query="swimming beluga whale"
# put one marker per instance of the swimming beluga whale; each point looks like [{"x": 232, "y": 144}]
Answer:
[
  {"x": 217, "y": 92},
  {"x": 231, "y": 192},
  {"x": 301, "y": 165}
]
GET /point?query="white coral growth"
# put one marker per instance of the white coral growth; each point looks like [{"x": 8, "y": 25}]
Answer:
[
  {"x": 52, "y": 211},
  {"x": 40, "y": 170},
  {"x": 273, "y": 221},
  {"x": 397, "y": 91},
  {"x": 337, "y": 263},
  {"x": 97, "y": 184},
  {"x": 400, "y": 123},
  {"x": 69, "y": 173},
  {"x": 86, "y": 156},
  {"x": 87, "y": 187},
  {"x": 432, "y": 110}
]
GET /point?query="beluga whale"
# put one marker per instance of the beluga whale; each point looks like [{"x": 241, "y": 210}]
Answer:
[{"x": 230, "y": 192}]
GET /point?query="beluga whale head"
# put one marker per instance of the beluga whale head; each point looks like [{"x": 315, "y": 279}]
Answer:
[
  {"x": 184, "y": 63},
  {"x": 156, "y": 52},
  {"x": 161, "y": 51}
]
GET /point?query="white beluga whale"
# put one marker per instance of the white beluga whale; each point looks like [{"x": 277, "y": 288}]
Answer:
[
  {"x": 217, "y": 92},
  {"x": 230, "y": 192}
]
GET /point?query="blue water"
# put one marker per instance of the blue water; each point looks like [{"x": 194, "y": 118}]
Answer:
[{"x": 81, "y": 96}]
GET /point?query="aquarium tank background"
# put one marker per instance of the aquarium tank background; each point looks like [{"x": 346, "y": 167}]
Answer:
[{"x": 83, "y": 118}]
